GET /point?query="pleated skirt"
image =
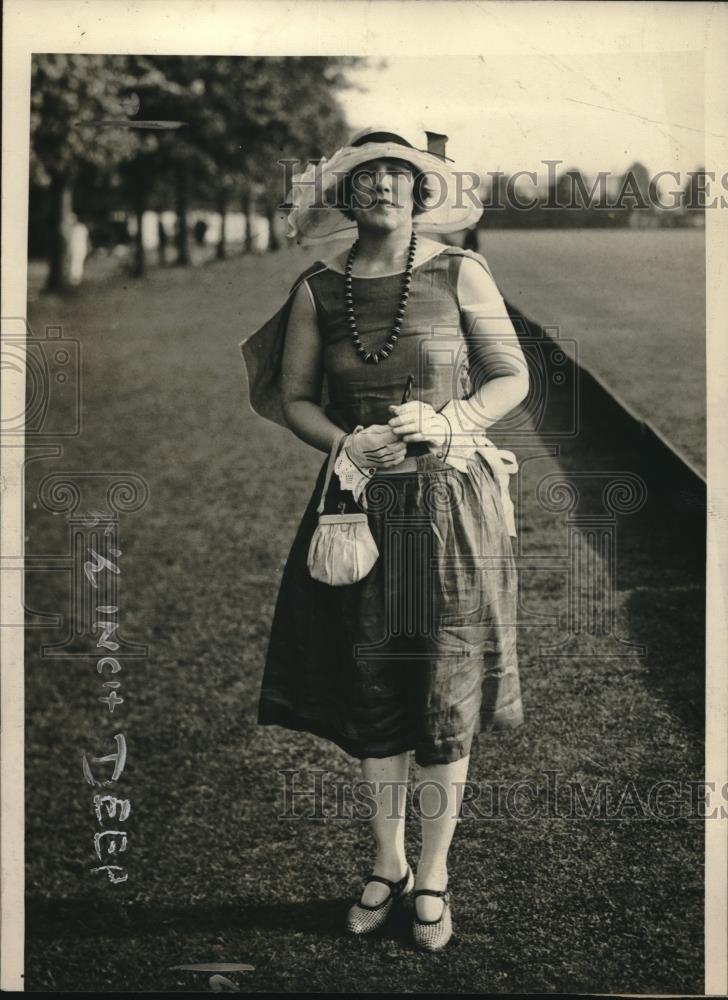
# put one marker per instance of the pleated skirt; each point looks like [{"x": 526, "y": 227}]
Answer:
[{"x": 421, "y": 653}]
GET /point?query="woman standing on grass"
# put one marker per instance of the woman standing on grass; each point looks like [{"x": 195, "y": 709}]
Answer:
[{"x": 420, "y": 654}]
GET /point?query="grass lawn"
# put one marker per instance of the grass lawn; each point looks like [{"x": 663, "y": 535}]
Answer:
[
  {"x": 634, "y": 302},
  {"x": 543, "y": 904}
]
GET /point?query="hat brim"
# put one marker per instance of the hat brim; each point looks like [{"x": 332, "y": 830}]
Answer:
[{"x": 314, "y": 219}]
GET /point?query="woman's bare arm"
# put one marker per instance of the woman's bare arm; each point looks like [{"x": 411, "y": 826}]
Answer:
[
  {"x": 500, "y": 368},
  {"x": 302, "y": 381},
  {"x": 302, "y": 376}
]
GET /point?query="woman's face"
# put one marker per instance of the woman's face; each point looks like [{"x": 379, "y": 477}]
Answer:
[{"x": 382, "y": 194}]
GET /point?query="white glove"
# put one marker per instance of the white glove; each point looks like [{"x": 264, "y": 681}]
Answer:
[
  {"x": 362, "y": 452},
  {"x": 418, "y": 421},
  {"x": 375, "y": 447}
]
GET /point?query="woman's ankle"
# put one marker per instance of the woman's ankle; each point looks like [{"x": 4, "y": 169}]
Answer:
[
  {"x": 391, "y": 864},
  {"x": 431, "y": 876}
]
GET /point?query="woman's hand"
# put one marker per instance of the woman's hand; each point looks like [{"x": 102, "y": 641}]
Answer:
[
  {"x": 376, "y": 447},
  {"x": 418, "y": 421}
]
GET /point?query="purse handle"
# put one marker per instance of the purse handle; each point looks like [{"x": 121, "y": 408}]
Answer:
[{"x": 329, "y": 469}]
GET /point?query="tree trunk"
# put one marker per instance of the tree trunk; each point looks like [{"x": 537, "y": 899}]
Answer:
[
  {"x": 273, "y": 242},
  {"x": 222, "y": 203},
  {"x": 140, "y": 204},
  {"x": 61, "y": 221},
  {"x": 183, "y": 246}
]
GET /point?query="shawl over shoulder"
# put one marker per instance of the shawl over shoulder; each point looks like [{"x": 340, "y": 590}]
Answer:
[{"x": 262, "y": 350}]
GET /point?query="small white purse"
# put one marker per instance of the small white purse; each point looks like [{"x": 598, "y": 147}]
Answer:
[{"x": 342, "y": 549}]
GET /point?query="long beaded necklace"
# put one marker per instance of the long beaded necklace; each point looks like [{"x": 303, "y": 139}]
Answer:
[{"x": 374, "y": 357}]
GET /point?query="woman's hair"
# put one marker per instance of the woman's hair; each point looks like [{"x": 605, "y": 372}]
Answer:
[{"x": 421, "y": 192}]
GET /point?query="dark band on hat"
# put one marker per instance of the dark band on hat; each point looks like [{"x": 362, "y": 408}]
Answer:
[
  {"x": 382, "y": 137},
  {"x": 400, "y": 141}
]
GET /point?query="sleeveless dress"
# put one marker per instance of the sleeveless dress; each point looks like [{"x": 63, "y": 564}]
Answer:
[{"x": 421, "y": 653}]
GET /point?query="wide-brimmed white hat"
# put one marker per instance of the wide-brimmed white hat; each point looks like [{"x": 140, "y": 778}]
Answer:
[{"x": 314, "y": 218}]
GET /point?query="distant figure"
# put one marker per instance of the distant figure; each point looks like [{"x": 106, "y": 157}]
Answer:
[
  {"x": 162, "y": 240},
  {"x": 78, "y": 249},
  {"x": 200, "y": 232}
]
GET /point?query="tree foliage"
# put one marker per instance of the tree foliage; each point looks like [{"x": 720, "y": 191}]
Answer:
[
  {"x": 241, "y": 116},
  {"x": 66, "y": 90}
]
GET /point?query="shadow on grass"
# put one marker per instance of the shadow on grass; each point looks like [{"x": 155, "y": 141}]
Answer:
[
  {"x": 659, "y": 548},
  {"x": 59, "y": 918},
  {"x": 54, "y": 919}
]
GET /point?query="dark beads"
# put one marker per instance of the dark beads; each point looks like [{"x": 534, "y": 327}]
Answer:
[{"x": 383, "y": 353}]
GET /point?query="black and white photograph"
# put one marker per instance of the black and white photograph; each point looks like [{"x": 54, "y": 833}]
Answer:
[{"x": 363, "y": 601}]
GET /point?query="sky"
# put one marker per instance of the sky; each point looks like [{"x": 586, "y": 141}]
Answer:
[{"x": 595, "y": 111}]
